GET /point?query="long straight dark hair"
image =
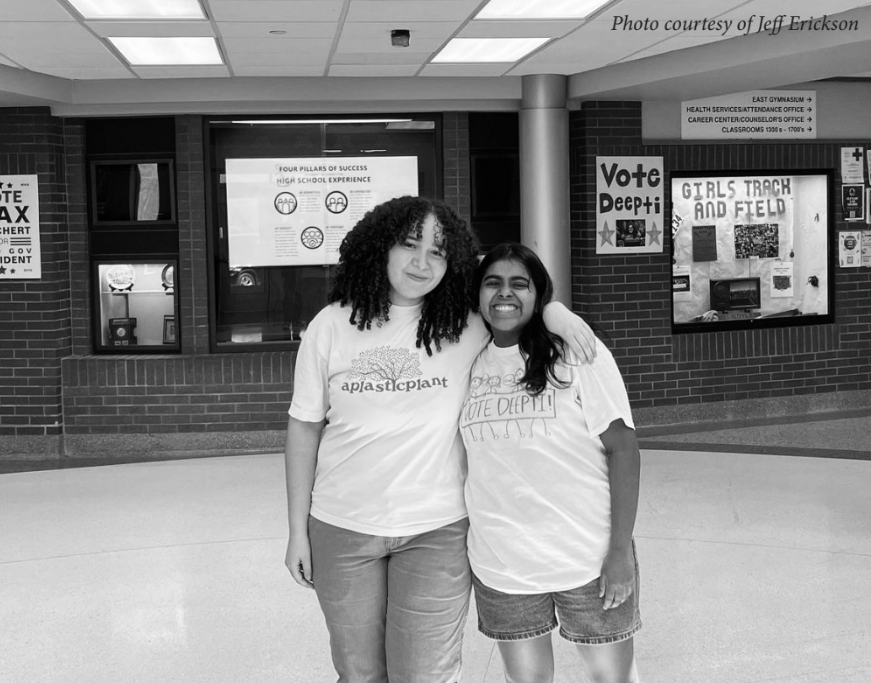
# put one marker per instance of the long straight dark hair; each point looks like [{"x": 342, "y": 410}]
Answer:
[{"x": 540, "y": 348}]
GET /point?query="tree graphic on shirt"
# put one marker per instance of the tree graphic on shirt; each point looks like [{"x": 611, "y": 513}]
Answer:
[{"x": 385, "y": 364}]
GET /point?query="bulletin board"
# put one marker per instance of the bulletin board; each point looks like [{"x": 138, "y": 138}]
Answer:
[{"x": 751, "y": 249}]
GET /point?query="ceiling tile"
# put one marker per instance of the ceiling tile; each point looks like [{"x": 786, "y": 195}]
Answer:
[
  {"x": 241, "y": 59},
  {"x": 419, "y": 46},
  {"x": 376, "y": 30},
  {"x": 276, "y": 10},
  {"x": 59, "y": 31},
  {"x": 376, "y": 70},
  {"x": 284, "y": 71},
  {"x": 636, "y": 10},
  {"x": 397, "y": 58},
  {"x": 84, "y": 73},
  {"x": 420, "y": 10},
  {"x": 181, "y": 71},
  {"x": 802, "y": 8},
  {"x": 678, "y": 43},
  {"x": 261, "y": 29},
  {"x": 462, "y": 70},
  {"x": 33, "y": 10},
  {"x": 295, "y": 46},
  {"x": 157, "y": 29},
  {"x": 40, "y": 59},
  {"x": 517, "y": 29}
]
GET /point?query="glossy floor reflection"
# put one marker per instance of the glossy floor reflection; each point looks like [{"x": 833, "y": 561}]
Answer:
[{"x": 754, "y": 568}]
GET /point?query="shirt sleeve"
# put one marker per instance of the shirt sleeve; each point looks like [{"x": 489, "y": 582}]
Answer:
[
  {"x": 477, "y": 331},
  {"x": 601, "y": 391},
  {"x": 311, "y": 377}
]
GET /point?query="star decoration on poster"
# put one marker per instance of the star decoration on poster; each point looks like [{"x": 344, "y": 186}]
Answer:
[
  {"x": 606, "y": 234},
  {"x": 655, "y": 234}
]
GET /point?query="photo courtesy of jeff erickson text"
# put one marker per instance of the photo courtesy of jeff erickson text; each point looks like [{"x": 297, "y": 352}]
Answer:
[
  {"x": 20, "y": 254},
  {"x": 629, "y": 205}
]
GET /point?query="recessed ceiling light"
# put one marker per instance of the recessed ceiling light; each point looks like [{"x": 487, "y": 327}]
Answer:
[
  {"x": 139, "y": 9},
  {"x": 475, "y": 50},
  {"x": 540, "y": 9},
  {"x": 167, "y": 51}
]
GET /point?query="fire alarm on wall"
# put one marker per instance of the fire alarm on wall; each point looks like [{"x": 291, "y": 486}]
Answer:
[{"x": 400, "y": 37}]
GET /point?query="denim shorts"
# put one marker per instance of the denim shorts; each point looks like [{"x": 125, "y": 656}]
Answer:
[{"x": 582, "y": 619}]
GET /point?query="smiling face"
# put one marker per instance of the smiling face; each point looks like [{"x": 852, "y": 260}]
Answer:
[
  {"x": 417, "y": 265},
  {"x": 507, "y": 300}
]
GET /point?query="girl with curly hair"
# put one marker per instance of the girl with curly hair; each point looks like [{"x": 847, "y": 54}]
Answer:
[
  {"x": 375, "y": 464},
  {"x": 566, "y": 448}
]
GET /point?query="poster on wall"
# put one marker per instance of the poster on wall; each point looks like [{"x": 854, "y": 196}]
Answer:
[
  {"x": 853, "y": 202},
  {"x": 866, "y": 248},
  {"x": 704, "y": 243},
  {"x": 681, "y": 287},
  {"x": 629, "y": 205},
  {"x": 852, "y": 168},
  {"x": 849, "y": 248},
  {"x": 296, "y": 212},
  {"x": 782, "y": 280},
  {"x": 20, "y": 246}
]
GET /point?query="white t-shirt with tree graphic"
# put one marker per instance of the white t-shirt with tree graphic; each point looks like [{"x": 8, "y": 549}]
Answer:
[
  {"x": 391, "y": 461},
  {"x": 537, "y": 490}
]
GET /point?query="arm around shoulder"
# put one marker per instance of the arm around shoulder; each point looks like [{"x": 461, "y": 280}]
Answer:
[{"x": 624, "y": 474}]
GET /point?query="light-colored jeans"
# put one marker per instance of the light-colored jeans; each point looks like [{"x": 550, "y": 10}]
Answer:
[{"x": 395, "y": 606}]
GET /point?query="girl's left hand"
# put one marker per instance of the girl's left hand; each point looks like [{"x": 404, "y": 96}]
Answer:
[
  {"x": 618, "y": 577},
  {"x": 572, "y": 328}
]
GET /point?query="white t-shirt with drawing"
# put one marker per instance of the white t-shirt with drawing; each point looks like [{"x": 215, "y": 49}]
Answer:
[
  {"x": 537, "y": 490},
  {"x": 391, "y": 461}
]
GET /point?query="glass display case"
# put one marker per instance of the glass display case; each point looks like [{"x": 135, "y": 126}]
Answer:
[{"x": 137, "y": 307}]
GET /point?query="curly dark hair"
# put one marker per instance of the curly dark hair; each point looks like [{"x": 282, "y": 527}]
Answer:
[
  {"x": 361, "y": 278},
  {"x": 541, "y": 349}
]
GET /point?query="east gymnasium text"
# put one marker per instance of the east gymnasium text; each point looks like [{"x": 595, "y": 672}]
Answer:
[{"x": 755, "y": 24}]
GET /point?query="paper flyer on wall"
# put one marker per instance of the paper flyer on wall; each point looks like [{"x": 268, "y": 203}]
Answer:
[
  {"x": 853, "y": 202},
  {"x": 852, "y": 166},
  {"x": 629, "y": 205},
  {"x": 866, "y": 249},
  {"x": 20, "y": 246},
  {"x": 681, "y": 285},
  {"x": 849, "y": 248},
  {"x": 294, "y": 212},
  {"x": 782, "y": 282}
]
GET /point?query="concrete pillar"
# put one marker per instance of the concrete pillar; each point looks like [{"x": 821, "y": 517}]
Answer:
[{"x": 544, "y": 177}]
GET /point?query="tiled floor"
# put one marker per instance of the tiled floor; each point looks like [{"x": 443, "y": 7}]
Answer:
[{"x": 756, "y": 567}]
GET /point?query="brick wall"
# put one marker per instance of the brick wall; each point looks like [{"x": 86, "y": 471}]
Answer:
[
  {"x": 708, "y": 375},
  {"x": 456, "y": 174},
  {"x": 35, "y": 314},
  {"x": 196, "y": 402},
  {"x": 146, "y": 405}
]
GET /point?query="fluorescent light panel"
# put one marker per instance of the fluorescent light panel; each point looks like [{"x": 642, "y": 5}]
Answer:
[
  {"x": 168, "y": 51},
  {"x": 540, "y": 9},
  {"x": 478, "y": 50},
  {"x": 139, "y": 9},
  {"x": 280, "y": 122}
]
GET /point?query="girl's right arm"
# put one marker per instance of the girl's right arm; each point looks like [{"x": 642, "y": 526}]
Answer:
[{"x": 300, "y": 460}]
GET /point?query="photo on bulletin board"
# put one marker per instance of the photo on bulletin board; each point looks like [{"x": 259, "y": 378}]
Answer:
[
  {"x": 760, "y": 241},
  {"x": 755, "y": 248}
]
